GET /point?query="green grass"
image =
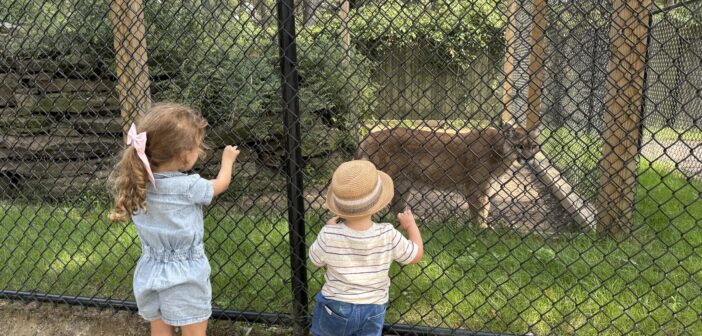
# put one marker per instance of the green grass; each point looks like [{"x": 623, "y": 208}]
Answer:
[
  {"x": 670, "y": 134},
  {"x": 576, "y": 155},
  {"x": 498, "y": 281}
]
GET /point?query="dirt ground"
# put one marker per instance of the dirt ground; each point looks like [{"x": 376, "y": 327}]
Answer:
[
  {"x": 33, "y": 319},
  {"x": 526, "y": 204},
  {"x": 520, "y": 201}
]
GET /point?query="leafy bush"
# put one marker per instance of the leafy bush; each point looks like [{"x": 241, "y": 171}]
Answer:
[
  {"x": 75, "y": 35},
  {"x": 456, "y": 31},
  {"x": 220, "y": 60}
]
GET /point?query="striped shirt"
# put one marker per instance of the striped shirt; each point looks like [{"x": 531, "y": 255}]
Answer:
[{"x": 357, "y": 262}]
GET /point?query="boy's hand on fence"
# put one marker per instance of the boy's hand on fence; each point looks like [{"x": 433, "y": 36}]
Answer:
[
  {"x": 230, "y": 154},
  {"x": 406, "y": 219},
  {"x": 408, "y": 224},
  {"x": 333, "y": 220}
]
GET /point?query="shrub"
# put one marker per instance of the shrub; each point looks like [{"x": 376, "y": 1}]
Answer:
[
  {"x": 456, "y": 31},
  {"x": 217, "y": 59}
]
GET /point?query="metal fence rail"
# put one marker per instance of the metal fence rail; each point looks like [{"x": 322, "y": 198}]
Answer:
[{"x": 552, "y": 154}]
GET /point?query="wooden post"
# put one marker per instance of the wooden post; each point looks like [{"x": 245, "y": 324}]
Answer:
[
  {"x": 133, "y": 83},
  {"x": 536, "y": 64},
  {"x": 345, "y": 33},
  {"x": 508, "y": 66},
  {"x": 622, "y": 118},
  {"x": 535, "y": 71}
]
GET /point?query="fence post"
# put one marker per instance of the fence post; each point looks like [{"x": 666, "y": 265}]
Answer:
[
  {"x": 536, "y": 67},
  {"x": 593, "y": 79},
  {"x": 293, "y": 165},
  {"x": 133, "y": 83},
  {"x": 508, "y": 66},
  {"x": 345, "y": 33},
  {"x": 622, "y": 118}
]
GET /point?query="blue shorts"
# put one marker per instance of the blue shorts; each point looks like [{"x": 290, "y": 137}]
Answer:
[
  {"x": 173, "y": 286},
  {"x": 336, "y": 318}
]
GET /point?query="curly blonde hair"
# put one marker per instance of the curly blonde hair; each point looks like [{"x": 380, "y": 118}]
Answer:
[{"x": 172, "y": 130}]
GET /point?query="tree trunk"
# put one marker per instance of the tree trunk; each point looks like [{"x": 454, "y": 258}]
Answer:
[
  {"x": 133, "y": 83},
  {"x": 536, "y": 64},
  {"x": 508, "y": 65},
  {"x": 345, "y": 33}
]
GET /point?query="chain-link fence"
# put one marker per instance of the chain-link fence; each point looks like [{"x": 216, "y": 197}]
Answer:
[
  {"x": 673, "y": 107},
  {"x": 550, "y": 149},
  {"x": 575, "y": 89}
]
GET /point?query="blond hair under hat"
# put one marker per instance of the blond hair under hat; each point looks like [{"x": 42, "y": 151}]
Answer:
[{"x": 358, "y": 189}]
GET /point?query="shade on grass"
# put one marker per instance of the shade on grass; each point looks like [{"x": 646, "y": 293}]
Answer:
[{"x": 498, "y": 281}]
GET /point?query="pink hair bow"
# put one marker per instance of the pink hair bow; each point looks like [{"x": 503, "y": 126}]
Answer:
[{"x": 138, "y": 141}]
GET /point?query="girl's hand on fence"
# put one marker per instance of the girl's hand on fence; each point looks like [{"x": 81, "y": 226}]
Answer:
[
  {"x": 406, "y": 219},
  {"x": 230, "y": 154},
  {"x": 221, "y": 183},
  {"x": 333, "y": 220}
]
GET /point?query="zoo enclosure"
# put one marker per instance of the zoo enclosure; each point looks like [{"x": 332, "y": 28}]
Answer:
[{"x": 559, "y": 66}]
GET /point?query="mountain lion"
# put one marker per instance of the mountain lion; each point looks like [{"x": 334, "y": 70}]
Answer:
[{"x": 462, "y": 162}]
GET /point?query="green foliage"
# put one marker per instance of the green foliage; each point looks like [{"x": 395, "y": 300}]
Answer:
[
  {"x": 75, "y": 34},
  {"x": 567, "y": 16},
  {"x": 334, "y": 80},
  {"x": 226, "y": 69},
  {"x": 688, "y": 15},
  {"x": 233, "y": 75},
  {"x": 456, "y": 31},
  {"x": 220, "y": 60}
]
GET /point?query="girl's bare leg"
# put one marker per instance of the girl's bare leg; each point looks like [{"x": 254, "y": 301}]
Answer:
[
  {"x": 160, "y": 328},
  {"x": 196, "y": 329}
]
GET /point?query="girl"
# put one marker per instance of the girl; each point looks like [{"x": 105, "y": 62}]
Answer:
[
  {"x": 357, "y": 252},
  {"x": 171, "y": 280}
]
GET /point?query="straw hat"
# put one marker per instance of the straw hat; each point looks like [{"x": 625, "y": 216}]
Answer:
[{"x": 359, "y": 189}]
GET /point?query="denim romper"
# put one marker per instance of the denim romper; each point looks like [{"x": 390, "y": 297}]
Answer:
[{"x": 172, "y": 276}]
